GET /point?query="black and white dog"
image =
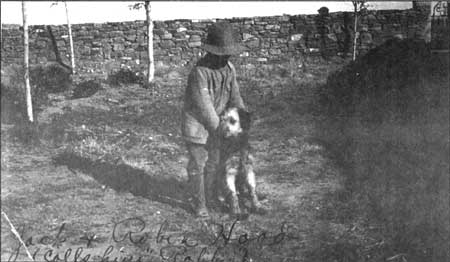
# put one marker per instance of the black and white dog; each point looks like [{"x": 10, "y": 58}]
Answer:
[{"x": 236, "y": 173}]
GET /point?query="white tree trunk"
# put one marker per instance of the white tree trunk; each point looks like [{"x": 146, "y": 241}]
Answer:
[
  {"x": 72, "y": 54},
  {"x": 355, "y": 30},
  {"x": 26, "y": 64},
  {"x": 426, "y": 34},
  {"x": 151, "y": 64}
]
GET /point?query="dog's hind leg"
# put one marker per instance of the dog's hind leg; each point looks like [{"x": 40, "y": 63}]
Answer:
[
  {"x": 231, "y": 174},
  {"x": 250, "y": 182}
]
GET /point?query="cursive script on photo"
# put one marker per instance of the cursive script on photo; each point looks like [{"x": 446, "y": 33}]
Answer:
[{"x": 213, "y": 242}]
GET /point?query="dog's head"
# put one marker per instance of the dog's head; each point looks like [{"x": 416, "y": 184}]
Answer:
[{"x": 234, "y": 122}]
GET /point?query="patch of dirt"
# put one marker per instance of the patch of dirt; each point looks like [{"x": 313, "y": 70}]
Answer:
[{"x": 109, "y": 177}]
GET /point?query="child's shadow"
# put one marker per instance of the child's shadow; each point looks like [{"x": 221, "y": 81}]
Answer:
[{"x": 121, "y": 177}]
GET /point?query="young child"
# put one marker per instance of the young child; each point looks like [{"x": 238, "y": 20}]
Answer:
[{"x": 211, "y": 88}]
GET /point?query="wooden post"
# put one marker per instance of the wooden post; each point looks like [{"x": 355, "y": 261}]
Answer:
[{"x": 26, "y": 64}]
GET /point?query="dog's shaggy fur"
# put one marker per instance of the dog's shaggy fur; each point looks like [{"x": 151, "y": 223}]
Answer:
[{"x": 236, "y": 163}]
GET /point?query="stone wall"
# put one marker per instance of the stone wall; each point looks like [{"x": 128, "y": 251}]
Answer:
[{"x": 100, "y": 48}]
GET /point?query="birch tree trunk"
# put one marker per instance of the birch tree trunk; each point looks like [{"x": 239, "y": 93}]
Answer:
[
  {"x": 151, "y": 64},
  {"x": 426, "y": 34},
  {"x": 26, "y": 64},
  {"x": 72, "y": 54},
  {"x": 355, "y": 30}
]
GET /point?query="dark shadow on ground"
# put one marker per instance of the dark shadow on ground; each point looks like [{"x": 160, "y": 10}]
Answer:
[{"x": 122, "y": 177}]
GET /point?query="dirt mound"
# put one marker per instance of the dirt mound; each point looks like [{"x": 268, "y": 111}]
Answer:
[
  {"x": 401, "y": 78},
  {"x": 391, "y": 136}
]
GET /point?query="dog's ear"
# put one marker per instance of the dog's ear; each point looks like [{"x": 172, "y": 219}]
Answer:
[{"x": 245, "y": 118}]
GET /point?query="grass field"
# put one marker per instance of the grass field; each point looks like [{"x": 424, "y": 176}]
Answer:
[{"x": 338, "y": 186}]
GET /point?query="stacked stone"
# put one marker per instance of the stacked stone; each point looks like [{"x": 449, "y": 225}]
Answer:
[{"x": 100, "y": 48}]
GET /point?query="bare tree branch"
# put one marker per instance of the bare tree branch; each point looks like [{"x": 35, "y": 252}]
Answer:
[{"x": 14, "y": 231}]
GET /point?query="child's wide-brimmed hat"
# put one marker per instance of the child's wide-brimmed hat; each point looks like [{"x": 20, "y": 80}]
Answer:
[{"x": 222, "y": 39}]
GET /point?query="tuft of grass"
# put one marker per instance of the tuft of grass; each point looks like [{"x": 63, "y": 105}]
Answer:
[
  {"x": 125, "y": 76},
  {"x": 50, "y": 78},
  {"x": 44, "y": 79},
  {"x": 86, "y": 89}
]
